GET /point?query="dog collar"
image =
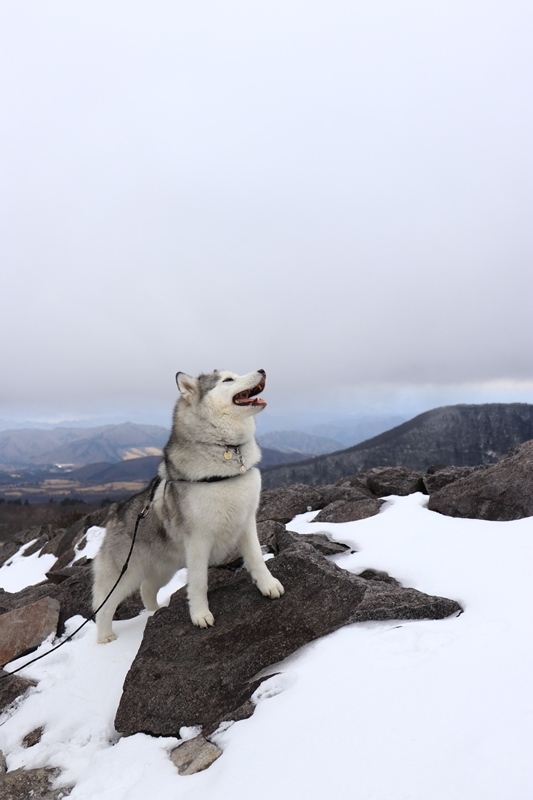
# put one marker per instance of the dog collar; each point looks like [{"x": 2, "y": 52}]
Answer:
[{"x": 210, "y": 479}]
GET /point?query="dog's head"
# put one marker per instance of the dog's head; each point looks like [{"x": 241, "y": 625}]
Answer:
[{"x": 224, "y": 392}]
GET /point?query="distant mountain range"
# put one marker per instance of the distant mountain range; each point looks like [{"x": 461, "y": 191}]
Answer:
[
  {"x": 126, "y": 455},
  {"x": 327, "y": 437},
  {"x": 297, "y": 443},
  {"x": 80, "y": 446},
  {"x": 463, "y": 435},
  {"x": 111, "y": 443}
]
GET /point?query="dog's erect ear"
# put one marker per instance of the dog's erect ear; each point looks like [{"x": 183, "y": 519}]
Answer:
[{"x": 187, "y": 385}]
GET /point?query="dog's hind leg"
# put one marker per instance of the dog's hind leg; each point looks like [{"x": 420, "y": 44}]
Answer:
[
  {"x": 103, "y": 583},
  {"x": 154, "y": 579},
  {"x": 149, "y": 590}
]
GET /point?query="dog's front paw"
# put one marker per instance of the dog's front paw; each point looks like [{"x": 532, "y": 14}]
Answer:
[
  {"x": 203, "y": 619},
  {"x": 106, "y": 639},
  {"x": 271, "y": 587}
]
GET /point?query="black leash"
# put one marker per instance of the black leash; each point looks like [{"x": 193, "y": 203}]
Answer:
[{"x": 140, "y": 516}]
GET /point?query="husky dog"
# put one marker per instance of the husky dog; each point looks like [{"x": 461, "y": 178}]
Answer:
[{"x": 201, "y": 506}]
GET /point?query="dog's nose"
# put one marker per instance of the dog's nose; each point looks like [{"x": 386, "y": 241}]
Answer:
[{"x": 262, "y": 371}]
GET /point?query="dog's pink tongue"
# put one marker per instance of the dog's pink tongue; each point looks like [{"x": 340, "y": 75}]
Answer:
[{"x": 251, "y": 401}]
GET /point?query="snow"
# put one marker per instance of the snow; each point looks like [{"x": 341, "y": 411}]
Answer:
[
  {"x": 425, "y": 710},
  {"x": 20, "y": 570},
  {"x": 91, "y": 543}
]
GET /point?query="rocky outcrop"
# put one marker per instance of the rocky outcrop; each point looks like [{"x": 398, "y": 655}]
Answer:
[
  {"x": 502, "y": 492},
  {"x": 183, "y": 676},
  {"x": 351, "y": 499}
]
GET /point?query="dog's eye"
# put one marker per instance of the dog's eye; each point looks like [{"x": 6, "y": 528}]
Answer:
[{"x": 228, "y": 380}]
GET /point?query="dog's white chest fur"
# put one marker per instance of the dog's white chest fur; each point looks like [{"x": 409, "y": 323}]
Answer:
[{"x": 213, "y": 514}]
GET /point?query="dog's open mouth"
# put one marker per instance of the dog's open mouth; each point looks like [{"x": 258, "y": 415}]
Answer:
[{"x": 249, "y": 396}]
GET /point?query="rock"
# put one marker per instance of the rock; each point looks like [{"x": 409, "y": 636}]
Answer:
[
  {"x": 50, "y": 538},
  {"x": 73, "y": 594},
  {"x": 267, "y": 530},
  {"x": 438, "y": 477},
  {"x": 184, "y": 676},
  {"x": 501, "y": 492},
  {"x": 46, "y": 534},
  {"x": 12, "y": 687},
  {"x": 283, "y": 505},
  {"x": 21, "y": 784},
  {"x": 349, "y": 510},
  {"x": 24, "y": 629},
  {"x": 378, "y": 575},
  {"x": 357, "y": 482},
  {"x": 33, "y": 737},
  {"x": 60, "y": 575},
  {"x": 194, "y": 755},
  {"x": 74, "y": 536},
  {"x": 243, "y": 712},
  {"x": 50, "y": 546},
  {"x": 322, "y": 542},
  {"x": 383, "y": 600},
  {"x": 383, "y": 481},
  {"x": 3, "y": 766},
  {"x": 23, "y": 537},
  {"x": 30, "y": 594},
  {"x": 346, "y": 491}
]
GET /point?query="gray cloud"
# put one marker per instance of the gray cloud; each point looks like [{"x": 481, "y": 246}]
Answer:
[{"x": 339, "y": 193}]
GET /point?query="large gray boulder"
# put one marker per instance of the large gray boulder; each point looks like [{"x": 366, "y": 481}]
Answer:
[
  {"x": 184, "y": 676},
  {"x": 501, "y": 492},
  {"x": 383, "y": 481}
]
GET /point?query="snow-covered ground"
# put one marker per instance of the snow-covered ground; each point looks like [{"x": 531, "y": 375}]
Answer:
[{"x": 436, "y": 710}]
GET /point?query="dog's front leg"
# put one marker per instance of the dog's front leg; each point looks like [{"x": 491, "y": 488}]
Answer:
[
  {"x": 197, "y": 556},
  {"x": 255, "y": 564}
]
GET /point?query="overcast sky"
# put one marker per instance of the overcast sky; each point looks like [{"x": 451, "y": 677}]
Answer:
[{"x": 339, "y": 192}]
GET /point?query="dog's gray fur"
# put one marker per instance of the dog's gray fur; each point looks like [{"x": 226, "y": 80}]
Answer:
[{"x": 192, "y": 522}]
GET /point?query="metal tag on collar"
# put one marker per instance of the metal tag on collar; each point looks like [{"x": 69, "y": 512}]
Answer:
[{"x": 229, "y": 452}]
